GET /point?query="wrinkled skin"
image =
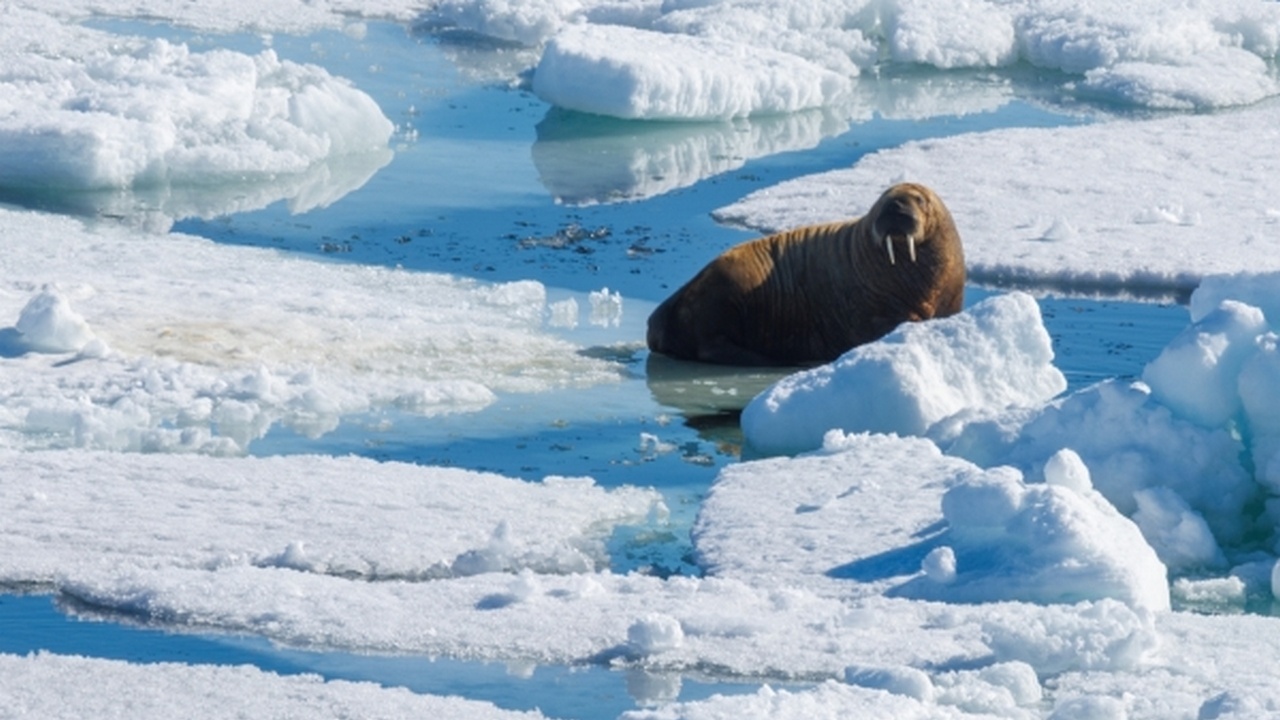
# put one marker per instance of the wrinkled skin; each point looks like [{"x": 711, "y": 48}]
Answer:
[{"x": 808, "y": 295}]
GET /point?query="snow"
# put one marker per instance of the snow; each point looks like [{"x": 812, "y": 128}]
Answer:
[
  {"x": 584, "y": 69},
  {"x": 1009, "y": 540},
  {"x": 270, "y": 340},
  {"x": 1005, "y": 551},
  {"x": 307, "y": 514}
]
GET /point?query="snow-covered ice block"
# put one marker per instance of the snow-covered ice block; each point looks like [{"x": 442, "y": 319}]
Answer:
[
  {"x": 1129, "y": 443},
  {"x": 1196, "y": 373},
  {"x": 631, "y": 73},
  {"x": 1041, "y": 543},
  {"x": 991, "y": 356}
]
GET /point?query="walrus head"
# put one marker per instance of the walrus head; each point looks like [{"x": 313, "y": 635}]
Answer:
[{"x": 902, "y": 215}]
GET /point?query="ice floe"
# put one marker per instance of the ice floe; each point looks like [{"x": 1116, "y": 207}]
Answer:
[
  {"x": 1150, "y": 54},
  {"x": 116, "y": 340},
  {"x": 89, "y": 110}
]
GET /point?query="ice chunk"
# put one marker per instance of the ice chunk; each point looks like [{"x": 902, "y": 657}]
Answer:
[
  {"x": 1179, "y": 534},
  {"x": 48, "y": 324},
  {"x": 907, "y": 681},
  {"x": 1196, "y": 373},
  {"x": 1065, "y": 468},
  {"x": 653, "y": 634},
  {"x": 1128, "y": 442},
  {"x": 126, "y": 112},
  {"x": 995, "y": 354}
]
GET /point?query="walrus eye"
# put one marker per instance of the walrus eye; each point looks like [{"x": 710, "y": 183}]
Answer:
[{"x": 911, "y": 245}]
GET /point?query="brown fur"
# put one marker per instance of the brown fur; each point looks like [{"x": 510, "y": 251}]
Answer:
[{"x": 808, "y": 295}]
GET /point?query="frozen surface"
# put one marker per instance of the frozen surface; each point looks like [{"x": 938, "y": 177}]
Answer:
[
  {"x": 309, "y": 513},
  {"x": 1123, "y": 205},
  {"x": 125, "y": 341},
  {"x": 585, "y": 69}
]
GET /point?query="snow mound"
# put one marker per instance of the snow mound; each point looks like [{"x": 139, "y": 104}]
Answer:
[
  {"x": 48, "y": 324},
  {"x": 1041, "y": 543}
]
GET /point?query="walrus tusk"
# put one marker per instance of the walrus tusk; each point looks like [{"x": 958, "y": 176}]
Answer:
[
  {"x": 911, "y": 244},
  {"x": 888, "y": 243}
]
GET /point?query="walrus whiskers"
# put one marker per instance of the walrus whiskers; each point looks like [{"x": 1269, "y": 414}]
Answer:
[{"x": 810, "y": 294}]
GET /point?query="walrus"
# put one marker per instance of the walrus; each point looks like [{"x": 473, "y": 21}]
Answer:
[{"x": 808, "y": 295}]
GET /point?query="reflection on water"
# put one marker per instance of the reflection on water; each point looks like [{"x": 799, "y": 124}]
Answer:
[
  {"x": 584, "y": 159},
  {"x": 697, "y": 389}
]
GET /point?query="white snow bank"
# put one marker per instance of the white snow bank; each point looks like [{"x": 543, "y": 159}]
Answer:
[
  {"x": 991, "y": 356},
  {"x": 1146, "y": 205},
  {"x": 201, "y": 347},
  {"x": 875, "y": 511},
  {"x": 631, "y": 73},
  {"x": 84, "y": 110},
  {"x": 1191, "y": 457},
  {"x": 48, "y": 685},
  {"x": 70, "y": 509}
]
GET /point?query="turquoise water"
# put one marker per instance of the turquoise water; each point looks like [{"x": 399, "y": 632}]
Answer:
[{"x": 488, "y": 182}]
